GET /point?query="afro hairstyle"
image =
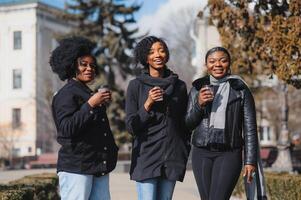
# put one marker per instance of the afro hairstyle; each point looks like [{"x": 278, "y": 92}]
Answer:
[
  {"x": 63, "y": 59},
  {"x": 143, "y": 47}
]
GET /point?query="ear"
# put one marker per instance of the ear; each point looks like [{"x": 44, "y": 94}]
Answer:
[{"x": 229, "y": 71}]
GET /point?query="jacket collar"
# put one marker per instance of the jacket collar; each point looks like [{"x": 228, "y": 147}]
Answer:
[
  {"x": 198, "y": 83},
  {"x": 80, "y": 85},
  {"x": 234, "y": 83}
]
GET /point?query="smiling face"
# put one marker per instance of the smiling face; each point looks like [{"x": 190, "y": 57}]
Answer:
[
  {"x": 86, "y": 69},
  {"x": 218, "y": 64},
  {"x": 157, "y": 57}
]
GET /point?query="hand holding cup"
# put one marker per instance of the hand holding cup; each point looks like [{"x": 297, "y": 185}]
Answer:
[
  {"x": 206, "y": 95},
  {"x": 154, "y": 95},
  {"x": 102, "y": 97}
]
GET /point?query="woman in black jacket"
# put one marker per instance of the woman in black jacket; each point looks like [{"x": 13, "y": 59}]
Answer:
[
  {"x": 221, "y": 113},
  {"x": 155, "y": 109},
  {"x": 88, "y": 151}
]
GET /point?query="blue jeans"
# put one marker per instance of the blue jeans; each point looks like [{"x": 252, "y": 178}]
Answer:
[
  {"x": 155, "y": 189},
  {"x": 83, "y": 187}
]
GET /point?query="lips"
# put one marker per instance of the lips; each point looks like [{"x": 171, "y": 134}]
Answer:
[
  {"x": 89, "y": 75},
  {"x": 158, "y": 61}
]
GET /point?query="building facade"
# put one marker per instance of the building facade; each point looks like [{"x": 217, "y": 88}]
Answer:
[{"x": 27, "y": 36}]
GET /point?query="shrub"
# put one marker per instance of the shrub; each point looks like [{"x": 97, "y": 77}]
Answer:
[
  {"x": 280, "y": 186},
  {"x": 33, "y": 187}
]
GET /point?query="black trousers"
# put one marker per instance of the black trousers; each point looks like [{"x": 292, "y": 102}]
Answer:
[{"x": 216, "y": 172}]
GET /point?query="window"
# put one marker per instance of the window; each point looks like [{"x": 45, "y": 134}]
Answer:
[
  {"x": 265, "y": 133},
  {"x": 16, "y": 152},
  {"x": 16, "y": 121},
  {"x": 17, "y": 79},
  {"x": 17, "y": 39}
]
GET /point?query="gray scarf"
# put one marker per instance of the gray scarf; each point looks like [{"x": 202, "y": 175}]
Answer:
[{"x": 219, "y": 106}]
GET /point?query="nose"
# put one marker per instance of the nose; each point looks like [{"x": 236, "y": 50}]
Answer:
[
  {"x": 157, "y": 54},
  {"x": 218, "y": 63}
]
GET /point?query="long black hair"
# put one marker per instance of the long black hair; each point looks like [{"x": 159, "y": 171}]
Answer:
[
  {"x": 63, "y": 59},
  {"x": 143, "y": 47}
]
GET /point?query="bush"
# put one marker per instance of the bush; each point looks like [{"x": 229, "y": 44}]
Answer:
[
  {"x": 280, "y": 186},
  {"x": 33, "y": 187}
]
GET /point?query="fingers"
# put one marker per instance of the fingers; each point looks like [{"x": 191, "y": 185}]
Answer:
[
  {"x": 249, "y": 172},
  {"x": 205, "y": 96},
  {"x": 249, "y": 177},
  {"x": 156, "y": 93}
]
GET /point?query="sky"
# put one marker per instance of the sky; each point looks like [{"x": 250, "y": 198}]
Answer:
[
  {"x": 148, "y": 6},
  {"x": 151, "y": 13}
]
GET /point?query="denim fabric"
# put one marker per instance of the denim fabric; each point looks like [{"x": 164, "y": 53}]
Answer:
[
  {"x": 155, "y": 189},
  {"x": 83, "y": 187}
]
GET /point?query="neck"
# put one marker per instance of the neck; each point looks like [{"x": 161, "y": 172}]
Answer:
[
  {"x": 76, "y": 79},
  {"x": 156, "y": 72}
]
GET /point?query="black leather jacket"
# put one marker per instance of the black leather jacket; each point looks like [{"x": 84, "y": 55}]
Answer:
[{"x": 240, "y": 117}]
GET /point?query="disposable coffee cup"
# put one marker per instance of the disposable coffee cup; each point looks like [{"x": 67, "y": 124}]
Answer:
[
  {"x": 209, "y": 88},
  {"x": 160, "y": 99},
  {"x": 104, "y": 88}
]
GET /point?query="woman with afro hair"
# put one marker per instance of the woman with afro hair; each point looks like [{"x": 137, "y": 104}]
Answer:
[
  {"x": 88, "y": 151},
  {"x": 155, "y": 109}
]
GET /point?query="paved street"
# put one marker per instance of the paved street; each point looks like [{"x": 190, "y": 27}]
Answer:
[{"x": 121, "y": 187}]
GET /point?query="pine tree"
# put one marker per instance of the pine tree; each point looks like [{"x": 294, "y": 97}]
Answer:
[
  {"x": 107, "y": 22},
  {"x": 111, "y": 25}
]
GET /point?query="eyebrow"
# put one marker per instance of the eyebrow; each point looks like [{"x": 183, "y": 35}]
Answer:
[{"x": 218, "y": 58}]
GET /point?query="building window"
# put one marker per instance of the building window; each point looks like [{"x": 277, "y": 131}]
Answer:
[
  {"x": 16, "y": 152},
  {"x": 29, "y": 149},
  {"x": 17, "y": 79},
  {"x": 265, "y": 133},
  {"x": 16, "y": 121},
  {"x": 17, "y": 40}
]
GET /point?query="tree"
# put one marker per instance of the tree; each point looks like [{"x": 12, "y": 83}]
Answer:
[
  {"x": 264, "y": 39},
  {"x": 107, "y": 23},
  {"x": 176, "y": 28},
  {"x": 111, "y": 25},
  {"x": 262, "y": 36},
  {"x": 9, "y": 136}
]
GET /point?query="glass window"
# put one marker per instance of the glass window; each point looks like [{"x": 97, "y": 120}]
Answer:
[
  {"x": 17, "y": 39},
  {"x": 17, "y": 79},
  {"x": 16, "y": 121},
  {"x": 16, "y": 152}
]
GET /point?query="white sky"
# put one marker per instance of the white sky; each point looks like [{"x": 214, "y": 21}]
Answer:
[{"x": 152, "y": 22}]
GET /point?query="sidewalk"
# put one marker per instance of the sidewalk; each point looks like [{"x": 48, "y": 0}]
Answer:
[{"x": 121, "y": 187}]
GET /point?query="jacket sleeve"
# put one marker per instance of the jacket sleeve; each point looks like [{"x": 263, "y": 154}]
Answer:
[
  {"x": 136, "y": 117},
  {"x": 68, "y": 116},
  {"x": 194, "y": 112},
  {"x": 249, "y": 129}
]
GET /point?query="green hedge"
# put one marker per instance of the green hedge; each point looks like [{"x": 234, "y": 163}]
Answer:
[
  {"x": 33, "y": 187},
  {"x": 280, "y": 186}
]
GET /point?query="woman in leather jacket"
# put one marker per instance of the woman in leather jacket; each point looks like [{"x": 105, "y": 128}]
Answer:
[
  {"x": 221, "y": 113},
  {"x": 88, "y": 151}
]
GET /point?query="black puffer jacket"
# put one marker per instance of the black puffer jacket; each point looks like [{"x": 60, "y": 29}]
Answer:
[
  {"x": 240, "y": 117},
  {"x": 87, "y": 143}
]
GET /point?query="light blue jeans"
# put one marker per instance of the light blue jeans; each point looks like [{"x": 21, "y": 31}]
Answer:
[
  {"x": 83, "y": 187},
  {"x": 155, "y": 189}
]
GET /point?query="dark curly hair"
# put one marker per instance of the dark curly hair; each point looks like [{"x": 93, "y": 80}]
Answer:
[
  {"x": 143, "y": 47},
  {"x": 63, "y": 59}
]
